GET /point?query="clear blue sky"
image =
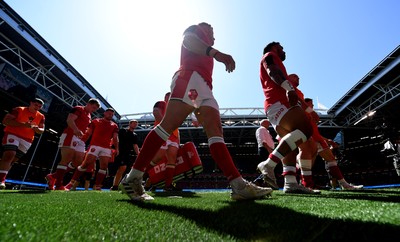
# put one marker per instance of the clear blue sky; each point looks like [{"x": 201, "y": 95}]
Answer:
[{"x": 128, "y": 50}]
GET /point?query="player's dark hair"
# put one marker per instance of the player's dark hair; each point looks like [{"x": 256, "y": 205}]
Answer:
[
  {"x": 204, "y": 23},
  {"x": 269, "y": 47}
]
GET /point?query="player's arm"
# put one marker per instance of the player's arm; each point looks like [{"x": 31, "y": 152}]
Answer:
[
  {"x": 267, "y": 142},
  {"x": 39, "y": 129},
  {"x": 266, "y": 146},
  {"x": 88, "y": 133},
  {"x": 135, "y": 144},
  {"x": 274, "y": 72},
  {"x": 192, "y": 43},
  {"x": 136, "y": 149},
  {"x": 71, "y": 123},
  {"x": 10, "y": 120},
  {"x": 276, "y": 75},
  {"x": 116, "y": 142}
]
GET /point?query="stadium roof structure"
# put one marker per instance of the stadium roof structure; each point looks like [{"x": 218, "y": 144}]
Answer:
[
  {"x": 374, "y": 98},
  {"x": 29, "y": 64}
]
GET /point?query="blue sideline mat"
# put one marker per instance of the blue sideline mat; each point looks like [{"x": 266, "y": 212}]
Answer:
[{"x": 43, "y": 186}]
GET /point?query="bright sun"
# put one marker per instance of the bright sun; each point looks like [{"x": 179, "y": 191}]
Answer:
[{"x": 151, "y": 25}]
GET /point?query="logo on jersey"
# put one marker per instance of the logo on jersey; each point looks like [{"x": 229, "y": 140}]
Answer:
[
  {"x": 92, "y": 149},
  {"x": 74, "y": 143},
  {"x": 280, "y": 111},
  {"x": 11, "y": 140},
  {"x": 193, "y": 94}
]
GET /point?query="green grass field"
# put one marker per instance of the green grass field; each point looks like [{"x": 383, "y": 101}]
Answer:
[{"x": 368, "y": 215}]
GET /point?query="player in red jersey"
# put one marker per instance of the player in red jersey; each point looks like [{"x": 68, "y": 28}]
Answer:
[
  {"x": 307, "y": 150},
  {"x": 324, "y": 150},
  {"x": 103, "y": 132},
  {"x": 316, "y": 145},
  {"x": 169, "y": 149},
  {"x": 21, "y": 125},
  {"x": 71, "y": 145},
  {"x": 191, "y": 90},
  {"x": 288, "y": 118}
]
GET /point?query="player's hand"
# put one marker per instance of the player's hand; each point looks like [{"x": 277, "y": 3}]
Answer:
[
  {"x": 332, "y": 144},
  {"x": 33, "y": 126},
  {"x": 27, "y": 125},
  {"x": 227, "y": 60},
  {"x": 78, "y": 133},
  {"x": 292, "y": 98}
]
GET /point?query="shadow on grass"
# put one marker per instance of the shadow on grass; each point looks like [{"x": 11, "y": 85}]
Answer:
[
  {"x": 175, "y": 193},
  {"x": 251, "y": 220},
  {"x": 382, "y": 195}
]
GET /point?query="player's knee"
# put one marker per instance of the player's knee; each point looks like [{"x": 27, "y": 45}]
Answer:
[{"x": 292, "y": 139}]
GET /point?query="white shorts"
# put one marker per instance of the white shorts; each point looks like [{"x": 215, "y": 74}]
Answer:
[
  {"x": 169, "y": 143},
  {"x": 21, "y": 144},
  {"x": 275, "y": 113},
  {"x": 191, "y": 88},
  {"x": 73, "y": 142},
  {"x": 99, "y": 151}
]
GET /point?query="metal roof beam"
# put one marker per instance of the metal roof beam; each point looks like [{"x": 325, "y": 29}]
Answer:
[
  {"x": 384, "y": 95},
  {"x": 368, "y": 85}
]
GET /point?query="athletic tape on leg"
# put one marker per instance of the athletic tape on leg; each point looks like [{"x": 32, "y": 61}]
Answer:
[
  {"x": 306, "y": 164},
  {"x": 292, "y": 137}
]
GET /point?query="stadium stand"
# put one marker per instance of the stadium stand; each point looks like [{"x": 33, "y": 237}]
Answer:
[{"x": 28, "y": 64}]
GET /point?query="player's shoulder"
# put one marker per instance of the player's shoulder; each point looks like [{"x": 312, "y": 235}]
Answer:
[
  {"x": 19, "y": 109},
  {"x": 96, "y": 120},
  {"x": 78, "y": 109}
]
